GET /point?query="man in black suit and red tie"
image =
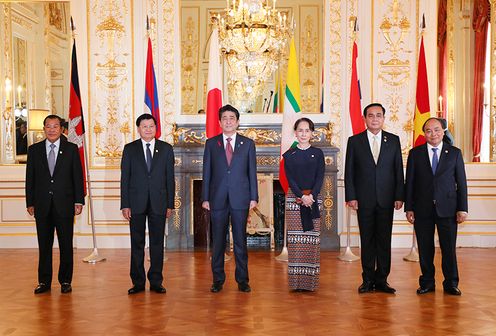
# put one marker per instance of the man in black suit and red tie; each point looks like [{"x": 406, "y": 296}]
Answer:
[
  {"x": 54, "y": 194},
  {"x": 230, "y": 190},
  {"x": 374, "y": 187},
  {"x": 436, "y": 195},
  {"x": 147, "y": 191}
]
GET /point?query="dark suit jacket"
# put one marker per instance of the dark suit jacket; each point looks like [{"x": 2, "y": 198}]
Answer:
[
  {"x": 372, "y": 184},
  {"x": 448, "y": 187},
  {"x": 236, "y": 183},
  {"x": 137, "y": 185},
  {"x": 65, "y": 187}
]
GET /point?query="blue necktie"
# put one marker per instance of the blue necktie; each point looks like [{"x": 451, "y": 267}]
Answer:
[
  {"x": 148, "y": 157},
  {"x": 435, "y": 160}
]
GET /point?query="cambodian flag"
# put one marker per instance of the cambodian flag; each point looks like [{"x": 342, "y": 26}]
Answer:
[{"x": 151, "y": 95}]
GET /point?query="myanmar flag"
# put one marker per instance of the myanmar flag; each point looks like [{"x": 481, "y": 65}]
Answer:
[
  {"x": 292, "y": 111},
  {"x": 422, "y": 109}
]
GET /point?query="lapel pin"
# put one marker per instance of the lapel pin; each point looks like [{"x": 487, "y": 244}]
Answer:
[
  {"x": 446, "y": 151},
  {"x": 156, "y": 150},
  {"x": 241, "y": 143},
  {"x": 60, "y": 152},
  {"x": 313, "y": 155}
]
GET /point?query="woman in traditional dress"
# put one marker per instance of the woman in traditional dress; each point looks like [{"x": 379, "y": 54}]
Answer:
[{"x": 304, "y": 166}]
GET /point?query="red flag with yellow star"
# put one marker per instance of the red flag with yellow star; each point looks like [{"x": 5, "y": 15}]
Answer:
[{"x": 422, "y": 108}]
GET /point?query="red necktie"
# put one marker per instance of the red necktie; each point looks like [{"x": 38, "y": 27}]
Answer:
[{"x": 229, "y": 151}]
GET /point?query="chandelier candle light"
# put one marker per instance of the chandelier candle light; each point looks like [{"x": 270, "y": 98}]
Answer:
[{"x": 253, "y": 36}]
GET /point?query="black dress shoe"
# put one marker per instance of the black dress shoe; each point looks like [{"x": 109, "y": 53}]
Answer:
[
  {"x": 452, "y": 290},
  {"x": 135, "y": 290},
  {"x": 385, "y": 288},
  {"x": 244, "y": 287},
  {"x": 216, "y": 287},
  {"x": 366, "y": 287},
  {"x": 158, "y": 289},
  {"x": 41, "y": 288},
  {"x": 423, "y": 290},
  {"x": 66, "y": 288}
]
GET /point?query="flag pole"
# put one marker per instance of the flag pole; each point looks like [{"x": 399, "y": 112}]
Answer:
[
  {"x": 94, "y": 257},
  {"x": 348, "y": 254},
  {"x": 413, "y": 255}
]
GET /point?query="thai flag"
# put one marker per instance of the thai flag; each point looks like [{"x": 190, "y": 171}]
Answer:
[{"x": 151, "y": 95}]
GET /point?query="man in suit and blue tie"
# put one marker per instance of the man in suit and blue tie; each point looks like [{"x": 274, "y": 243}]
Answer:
[
  {"x": 374, "y": 187},
  {"x": 147, "y": 191},
  {"x": 230, "y": 190},
  {"x": 54, "y": 194},
  {"x": 436, "y": 195}
]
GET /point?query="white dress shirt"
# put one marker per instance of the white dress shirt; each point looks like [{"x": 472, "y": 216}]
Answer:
[
  {"x": 431, "y": 153},
  {"x": 152, "y": 146},
  {"x": 371, "y": 136},
  {"x": 55, "y": 149},
  {"x": 233, "y": 141}
]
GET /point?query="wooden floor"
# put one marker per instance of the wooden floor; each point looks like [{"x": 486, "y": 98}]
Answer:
[{"x": 99, "y": 304}]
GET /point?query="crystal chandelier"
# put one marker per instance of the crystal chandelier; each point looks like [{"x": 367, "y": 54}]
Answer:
[{"x": 253, "y": 36}]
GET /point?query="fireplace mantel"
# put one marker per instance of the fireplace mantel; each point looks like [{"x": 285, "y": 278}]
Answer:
[{"x": 188, "y": 150}]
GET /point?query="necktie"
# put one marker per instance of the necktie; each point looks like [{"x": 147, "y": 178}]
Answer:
[
  {"x": 148, "y": 157},
  {"x": 375, "y": 148},
  {"x": 51, "y": 159},
  {"x": 229, "y": 151},
  {"x": 435, "y": 160}
]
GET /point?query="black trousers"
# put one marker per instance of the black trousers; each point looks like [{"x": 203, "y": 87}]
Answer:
[
  {"x": 376, "y": 225},
  {"x": 156, "y": 231},
  {"x": 447, "y": 231},
  {"x": 220, "y": 226},
  {"x": 45, "y": 228}
]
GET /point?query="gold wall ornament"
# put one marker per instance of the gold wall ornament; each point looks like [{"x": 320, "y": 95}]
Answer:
[
  {"x": 326, "y": 133},
  {"x": 394, "y": 61},
  {"x": 188, "y": 136},
  {"x": 56, "y": 16},
  {"x": 189, "y": 62},
  {"x": 168, "y": 89},
  {"x": 329, "y": 161},
  {"x": 333, "y": 105},
  {"x": 263, "y": 160},
  {"x": 177, "y": 205},
  {"x": 395, "y": 71},
  {"x": 262, "y": 136},
  {"x": 6, "y": 104},
  {"x": 111, "y": 78},
  {"x": 310, "y": 60},
  {"x": 328, "y": 203}
]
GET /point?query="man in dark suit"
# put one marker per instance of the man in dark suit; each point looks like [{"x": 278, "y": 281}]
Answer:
[
  {"x": 436, "y": 194},
  {"x": 230, "y": 190},
  {"x": 147, "y": 191},
  {"x": 374, "y": 187},
  {"x": 54, "y": 194}
]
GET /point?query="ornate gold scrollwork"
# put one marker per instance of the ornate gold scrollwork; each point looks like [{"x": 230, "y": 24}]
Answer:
[
  {"x": 177, "y": 205},
  {"x": 328, "y": 202},
  {"x": 268, "y": 160},
  {"x": 326, "y": 132},
  {"x": 264, "y": 137}
]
